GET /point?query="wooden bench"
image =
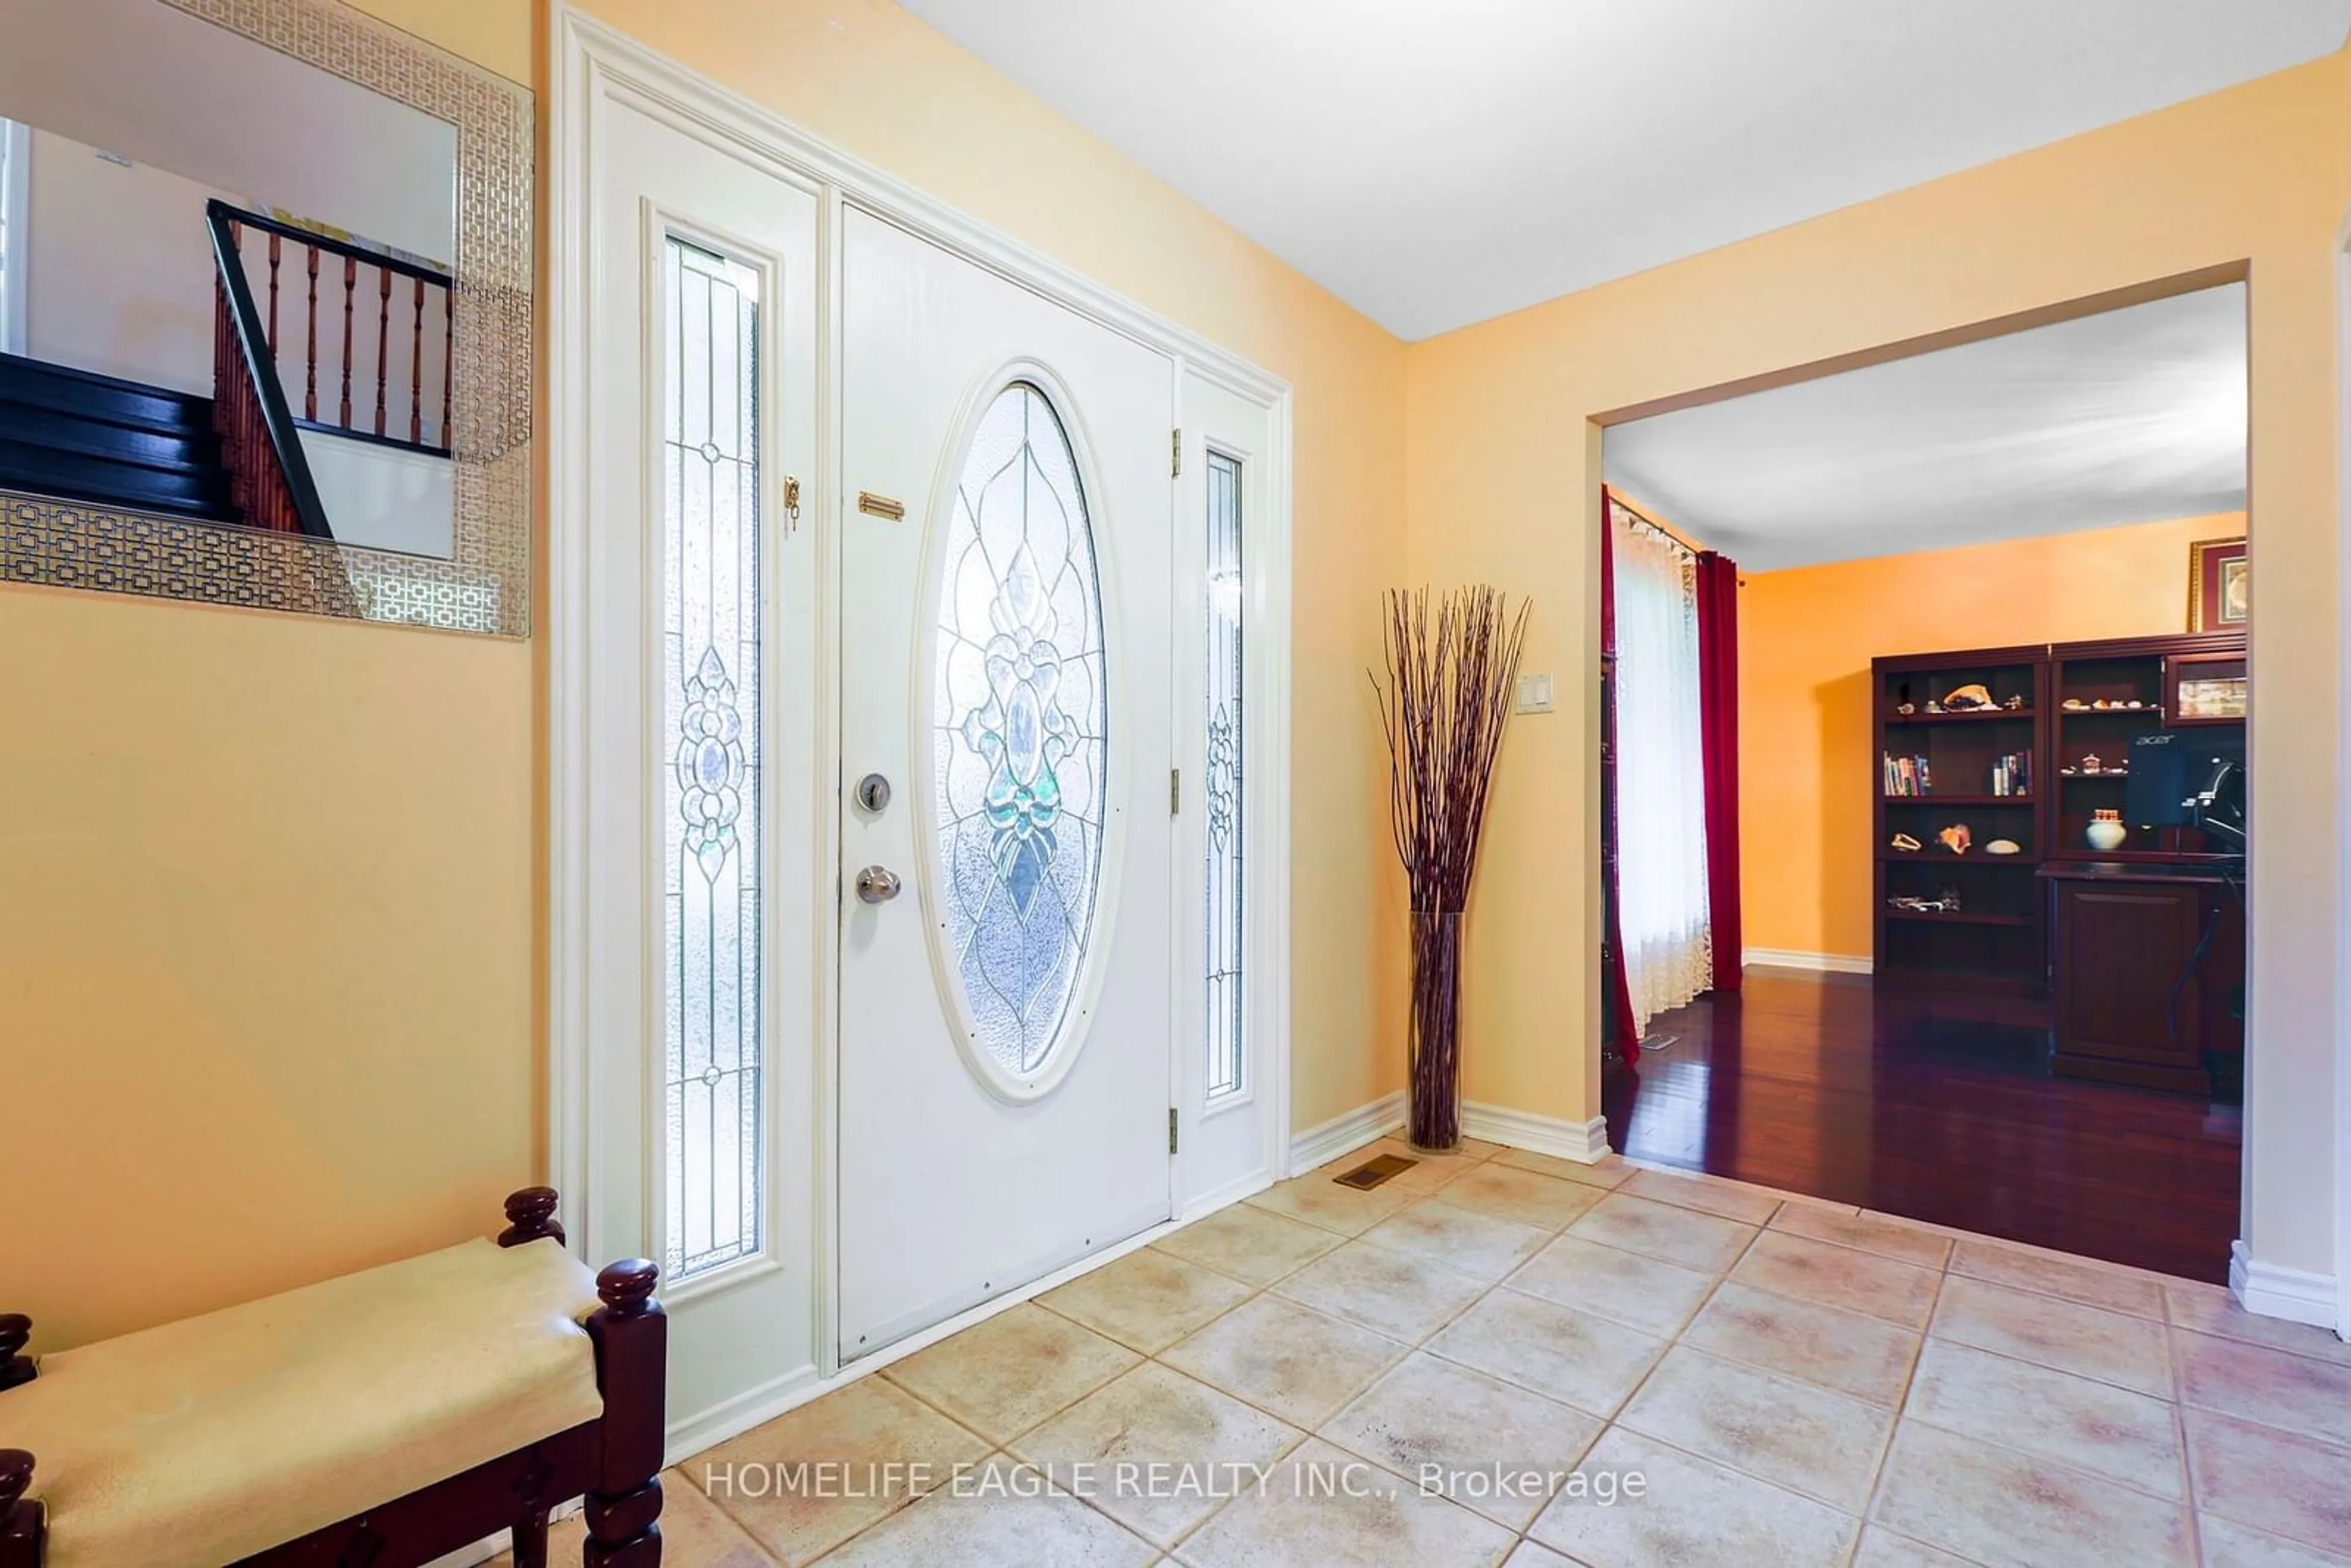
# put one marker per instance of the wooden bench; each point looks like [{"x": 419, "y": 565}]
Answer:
[{"x": 381, "y": 1420}]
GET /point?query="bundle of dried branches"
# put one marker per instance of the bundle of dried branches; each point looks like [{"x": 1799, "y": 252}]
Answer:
[{"x": 1444, "y": 707}]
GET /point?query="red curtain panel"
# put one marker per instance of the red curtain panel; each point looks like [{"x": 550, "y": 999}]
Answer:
[
  {"x": 1718, "y": 658},
  {"x": 1618, "y": 998}
]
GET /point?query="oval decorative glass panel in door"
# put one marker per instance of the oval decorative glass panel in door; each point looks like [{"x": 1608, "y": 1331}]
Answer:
[{"x": 1020, "y": 743}]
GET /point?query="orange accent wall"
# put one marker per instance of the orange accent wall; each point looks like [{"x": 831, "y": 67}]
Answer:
[{"x": 1806, "y": 745}]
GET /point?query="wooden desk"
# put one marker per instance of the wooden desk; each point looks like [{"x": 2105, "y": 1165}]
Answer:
[{"x": 2125, "y": 934}]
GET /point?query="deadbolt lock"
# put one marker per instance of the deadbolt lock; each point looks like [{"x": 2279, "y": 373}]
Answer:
[{"x": 874, "y": 793}]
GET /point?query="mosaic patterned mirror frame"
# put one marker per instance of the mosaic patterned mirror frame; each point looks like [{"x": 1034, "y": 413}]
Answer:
[{"x": 486, "y": 584}]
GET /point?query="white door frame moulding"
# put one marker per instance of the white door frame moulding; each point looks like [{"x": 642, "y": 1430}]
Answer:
[
  {"x": 596, "y": 66},
  {"x": 2342, "y": 1323}
]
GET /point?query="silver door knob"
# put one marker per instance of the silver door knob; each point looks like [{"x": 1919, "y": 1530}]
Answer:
[{"x": 877, "y": 886}]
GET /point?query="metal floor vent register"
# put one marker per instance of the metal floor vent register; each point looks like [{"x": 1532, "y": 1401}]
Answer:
[{"x": 1375, "y": 1170}]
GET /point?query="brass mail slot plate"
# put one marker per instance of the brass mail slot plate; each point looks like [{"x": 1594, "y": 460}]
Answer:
[{"x": 874, "y": 506}]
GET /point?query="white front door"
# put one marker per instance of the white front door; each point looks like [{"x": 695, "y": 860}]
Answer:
[
  {"x": 1005, "y": 997},
  {"x": 702, "y": 800}
]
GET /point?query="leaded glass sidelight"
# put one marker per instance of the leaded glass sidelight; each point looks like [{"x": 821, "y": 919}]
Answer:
[
  {"x": 1222, "y": 791},
  {"x": 709, "y": 763},
  {"x": 1020, "y": 749}
]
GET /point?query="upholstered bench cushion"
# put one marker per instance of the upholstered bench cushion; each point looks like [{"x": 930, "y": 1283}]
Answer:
[{"x": 200, "y": 1442}]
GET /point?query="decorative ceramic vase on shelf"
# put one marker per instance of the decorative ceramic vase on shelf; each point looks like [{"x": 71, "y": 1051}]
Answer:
[{"x": 2107, "y": 831}]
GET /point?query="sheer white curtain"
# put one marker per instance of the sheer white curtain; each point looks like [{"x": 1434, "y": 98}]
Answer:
[{"x": 1660, "y": 772}]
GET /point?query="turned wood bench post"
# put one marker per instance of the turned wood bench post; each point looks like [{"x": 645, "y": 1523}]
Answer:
[
  {"x": 631, "y": 1337},
  {"x": 24, "y": 1526}
]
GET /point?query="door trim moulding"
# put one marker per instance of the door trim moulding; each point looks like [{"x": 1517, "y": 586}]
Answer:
[{"x": 595, "y": 67}]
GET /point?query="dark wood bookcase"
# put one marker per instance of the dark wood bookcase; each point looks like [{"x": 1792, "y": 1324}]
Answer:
[
  {"x": 1995, "y": 935},
  {"x": 2000, "y": 936}
]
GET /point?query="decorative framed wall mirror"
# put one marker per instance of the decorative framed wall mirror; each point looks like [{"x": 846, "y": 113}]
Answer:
[{"x": 266, "y": 312}]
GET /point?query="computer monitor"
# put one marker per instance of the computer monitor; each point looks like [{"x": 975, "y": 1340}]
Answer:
[{"x": 2189, "y": 778}]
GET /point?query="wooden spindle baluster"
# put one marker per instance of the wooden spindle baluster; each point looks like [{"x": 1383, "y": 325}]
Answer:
[
  {"x": 273, "y": 299},
  {"x": 310, "y": 389},
  {"x": 350, "y": 285},
  {"x": 416, "y": 373},
  {"x": 382, "y": 340},
  {"x": 448, "y": 358}
]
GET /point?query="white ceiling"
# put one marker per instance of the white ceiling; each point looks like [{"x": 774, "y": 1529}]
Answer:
[
  {"x": 1437, "y": 163},
  {"x": 2125, "y": 417}
]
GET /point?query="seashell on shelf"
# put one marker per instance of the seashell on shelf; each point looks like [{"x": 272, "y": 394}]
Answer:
[
  {"x": 1956, "y": 838},
  {"x": 2003, "y": 847}
]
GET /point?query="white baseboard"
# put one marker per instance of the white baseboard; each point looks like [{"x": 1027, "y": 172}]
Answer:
[
  {"x": 1217, "y": 1198},
  {"x": 2269, "y": 1291},
  {"x": 1586, "y": 1143},
  {"x": 1822, "y": 962},
  {"x": 1345, "y": 1134}
]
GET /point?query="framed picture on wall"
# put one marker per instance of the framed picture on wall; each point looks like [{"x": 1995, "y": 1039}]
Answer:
[{"x": 2220, "y": 586}]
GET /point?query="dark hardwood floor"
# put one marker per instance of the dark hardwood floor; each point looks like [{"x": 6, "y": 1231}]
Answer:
[{"x": 1933, "y": 1104}]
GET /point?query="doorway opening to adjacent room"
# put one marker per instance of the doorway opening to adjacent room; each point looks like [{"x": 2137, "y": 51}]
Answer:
[{"x": 1928, "y": 776}]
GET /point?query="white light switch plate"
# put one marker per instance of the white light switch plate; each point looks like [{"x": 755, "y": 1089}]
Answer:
[{"x": 1534, "y": 694}]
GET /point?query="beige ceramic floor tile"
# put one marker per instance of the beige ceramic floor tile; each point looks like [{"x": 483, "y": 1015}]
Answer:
[
  {"x": 1640, "y": 1293},
  {"x": 1468, "y": 1242},
  {"x": 2228, "y": 1546},
  {"x": 1293, "y": 1521},
  {"x": 1996, "y": 1505},
  {"x": 1588, "y": 1361},
  {"x": 884, "y": 1447},
  {"x": 1839, "y": 1277},
  {"x": 2080, "y": 1279},
  {"x": 1507, "y": 1192},
  {"x": 1705, "y": 1242},
  {"x": 1428, "y": 1172},
  {"x": 1249, "y": 1243},
  {"x": 2312, "y": 1398},
  {"x": 1880, "y": 1548},
  {"x": 1606, "y": 1173},
  {"x": 1462, "y": 1424},
  {"x": 1165, "y": 1449},
  {"x": 1387, "y": 1291},
  {"x": 695, "y": 1535},
  {"x": 1002, "y": 1376},
  {"x": 1774, "y": 1428},
  {"x": 2213, "y": 1309},
  {"x": 2272, "y": 1481},
  {"x": 1709, "y": 1195},
  {"x": 1147, "y": 1300},
  {"x": 1319, "y": 1201},
  {"x": 1531, "y": 1555},
  {"x": 999, "y": 1513},
  {"x": 1897, "y": 1238},
  {"x": 1283, "y": 1358},
  {"x": 2068, "y": 1420},
  {"x": 1847, "y": 1351},
  {"x": 1692, "y": 1514},
  {"x": 2112, "y": 1347}
]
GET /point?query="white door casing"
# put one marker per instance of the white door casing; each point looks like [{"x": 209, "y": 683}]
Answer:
[
  {"x": 740, "y": 1326},
  {"x": 966, "y": 1170},
  {"x": 594, "y": 1122}
]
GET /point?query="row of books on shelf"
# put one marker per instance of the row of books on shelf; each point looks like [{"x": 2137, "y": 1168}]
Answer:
[{"x": 1911, "y": 777}]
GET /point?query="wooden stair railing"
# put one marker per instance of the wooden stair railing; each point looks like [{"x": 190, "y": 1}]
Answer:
[
  {"x": 268, "y": 476},
  {"x": 416, "y": 308}
]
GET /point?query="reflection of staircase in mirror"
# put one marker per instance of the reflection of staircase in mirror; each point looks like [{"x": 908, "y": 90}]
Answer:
[{"x": 114, "y": 444}]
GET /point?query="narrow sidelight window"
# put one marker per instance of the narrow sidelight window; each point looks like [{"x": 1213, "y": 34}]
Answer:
[
  {"x": 1222, "y": 784},
  {"x": 709, "y": 766}
]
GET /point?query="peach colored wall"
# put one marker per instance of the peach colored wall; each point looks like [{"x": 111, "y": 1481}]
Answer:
[
  {"x": 1504, "y": 476},
  {"x": 272, "y": 932},
  {"x": 1807, "y": 739}
]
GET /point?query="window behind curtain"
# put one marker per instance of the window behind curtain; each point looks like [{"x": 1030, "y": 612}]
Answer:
[{"x": 1661, "y": 772}]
